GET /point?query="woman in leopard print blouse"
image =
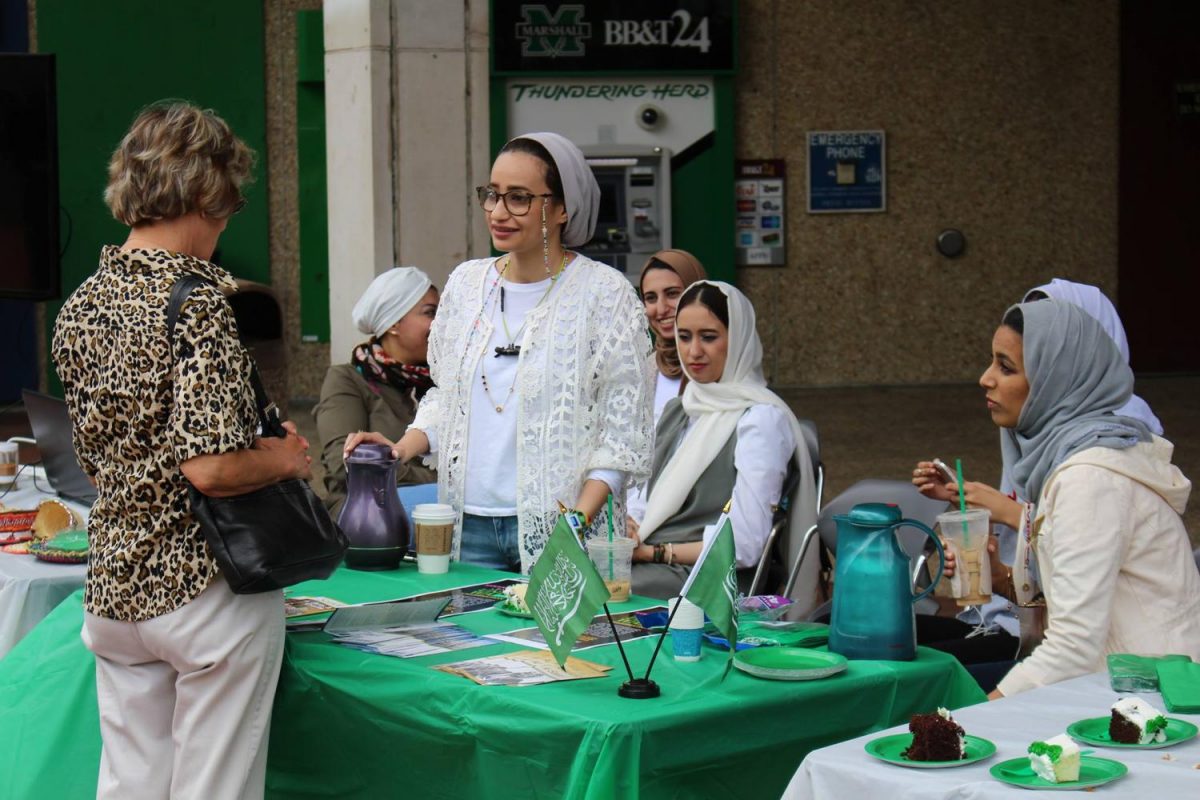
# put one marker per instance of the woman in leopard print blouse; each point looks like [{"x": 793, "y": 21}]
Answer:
[{"x": 185, "y": 669}]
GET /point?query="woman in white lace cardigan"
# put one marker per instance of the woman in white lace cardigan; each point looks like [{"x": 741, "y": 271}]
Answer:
[{"x": 543, "y": 367}]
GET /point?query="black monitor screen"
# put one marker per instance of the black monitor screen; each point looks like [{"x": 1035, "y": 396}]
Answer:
[
  {"x": 612, "y": 198},
  {"x": 29, "y": 248}
]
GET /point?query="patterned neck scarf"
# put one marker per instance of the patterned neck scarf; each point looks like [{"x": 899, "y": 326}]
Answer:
[{"x": 377, "y": 367}]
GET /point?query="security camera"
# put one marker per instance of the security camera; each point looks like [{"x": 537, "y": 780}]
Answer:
[{"x": 650, "y": 117}]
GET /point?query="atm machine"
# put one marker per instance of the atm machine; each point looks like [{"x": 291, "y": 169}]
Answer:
[{"x": 634, "y": 220}]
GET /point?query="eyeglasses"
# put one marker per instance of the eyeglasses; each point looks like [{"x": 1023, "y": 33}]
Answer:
[{"x": 516, "y": 201}]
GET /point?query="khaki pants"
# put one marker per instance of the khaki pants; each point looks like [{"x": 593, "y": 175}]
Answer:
[{"x": 185, "y": 698}]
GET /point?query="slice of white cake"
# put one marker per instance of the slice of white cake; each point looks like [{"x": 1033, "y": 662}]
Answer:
[
  {"x": 1055, "y": 760},
  {"x": 1135, "y": 721}
]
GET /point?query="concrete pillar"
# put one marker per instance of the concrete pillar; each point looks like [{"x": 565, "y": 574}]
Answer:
[
  {"x": 441, "y": 82},
  {"x": 358, "y": 118},
  {"x": 406, "y": 89}
]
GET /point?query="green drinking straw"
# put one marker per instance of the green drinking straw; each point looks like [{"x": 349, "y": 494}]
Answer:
[
  {"x": 610, "y": 535},
  {"x": 962, "y": 502}
]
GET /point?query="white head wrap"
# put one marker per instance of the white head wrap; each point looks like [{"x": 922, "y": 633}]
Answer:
[
  {"x": 714, "y": 409},
  {"x": 389, "y": 297},
  {"x": 579, "y": 185},
  {"x": 1078, "y": 381},
  {"x": 1101, "y": 309}
]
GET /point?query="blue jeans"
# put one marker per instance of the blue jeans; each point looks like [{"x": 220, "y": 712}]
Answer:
[{"x": 490, "y": 542}]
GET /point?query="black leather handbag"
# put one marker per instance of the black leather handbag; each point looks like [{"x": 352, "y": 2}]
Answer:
[{"x": 274, "y": 536}]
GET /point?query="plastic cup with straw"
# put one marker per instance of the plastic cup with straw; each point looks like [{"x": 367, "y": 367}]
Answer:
[
  {"x": 962, "y": 502},
  {"x": 611, "y": 569}
]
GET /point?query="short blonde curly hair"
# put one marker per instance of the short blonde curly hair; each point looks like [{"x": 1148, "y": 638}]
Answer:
[{"x": 175, "y": 159}]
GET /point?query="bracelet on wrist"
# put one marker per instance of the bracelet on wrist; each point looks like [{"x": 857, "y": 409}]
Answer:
[
  {"x": 659, "y": 550},
  {"x": 670, "y": 553}
]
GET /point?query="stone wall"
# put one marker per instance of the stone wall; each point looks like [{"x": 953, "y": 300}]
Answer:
[{"x": 1001, "y": 121}]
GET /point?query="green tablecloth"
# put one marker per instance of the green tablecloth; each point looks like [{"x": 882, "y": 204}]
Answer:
[{"x": 349, "y": 724}]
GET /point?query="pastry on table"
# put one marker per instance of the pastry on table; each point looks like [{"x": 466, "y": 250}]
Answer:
[
  {"x": 1135, "y": 721},
  {"x": 68, "y": 547},
  {"x": 1055, "y": 760},
  {"x": 15, "y": 524},
  {"x": 53, "y": 517},
  {"x": 935, "y": 737},
  {"x": 514, "y": 596}
]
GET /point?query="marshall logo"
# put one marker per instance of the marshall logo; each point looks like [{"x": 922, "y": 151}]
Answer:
[{"x": 559, "y": 34}]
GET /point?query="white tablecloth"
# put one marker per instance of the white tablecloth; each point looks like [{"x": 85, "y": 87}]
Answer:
[
  {"x": 846, "y": 771},
  {"x": 30, "y": 589}
]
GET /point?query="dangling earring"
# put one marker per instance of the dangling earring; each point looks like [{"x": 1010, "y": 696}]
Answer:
[{"x": 545, "y": 241}]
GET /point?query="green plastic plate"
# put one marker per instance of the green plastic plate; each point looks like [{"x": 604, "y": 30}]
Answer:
[
  {"x": 1093, "y": 771},
  {"x": 889, "y": 749},
  {"x": 789, "y": 663},
  {"x": 512, "y": 611},
  {"x": 1095, "y": 731}
]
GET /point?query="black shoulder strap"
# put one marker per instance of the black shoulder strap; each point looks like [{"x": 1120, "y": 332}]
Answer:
[
  {"x": 179, "y": 292},
  {"x": 268, "y": 413}
]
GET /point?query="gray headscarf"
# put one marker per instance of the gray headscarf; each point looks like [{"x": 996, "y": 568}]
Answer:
[
  {"x": 579, "y": 185},
  {"x": 1077, "y": 380}
]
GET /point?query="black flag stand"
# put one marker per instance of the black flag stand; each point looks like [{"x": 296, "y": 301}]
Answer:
[{"x": 634, "y": 688}]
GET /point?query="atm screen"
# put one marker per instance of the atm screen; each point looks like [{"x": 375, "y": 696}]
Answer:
[{"x": 612, "y": 200}]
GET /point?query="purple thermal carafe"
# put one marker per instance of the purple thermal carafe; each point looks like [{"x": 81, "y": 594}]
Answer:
[{"x": 373, "y": 517}]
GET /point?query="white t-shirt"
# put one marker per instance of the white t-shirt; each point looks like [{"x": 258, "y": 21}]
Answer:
[
  {"x": 491, "y": 476},
  {"x": 490, "y": 486}
]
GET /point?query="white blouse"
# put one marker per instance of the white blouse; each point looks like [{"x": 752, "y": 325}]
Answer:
[{"x": 582, "y": 398}]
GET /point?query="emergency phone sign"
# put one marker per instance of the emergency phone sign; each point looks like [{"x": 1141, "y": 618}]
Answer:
[{"x": 846, "y": 172}]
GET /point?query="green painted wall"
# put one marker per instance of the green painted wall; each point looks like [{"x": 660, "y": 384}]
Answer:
[
  {"x": 310, "y": 163},
  {"x": 115, "y": 57}
]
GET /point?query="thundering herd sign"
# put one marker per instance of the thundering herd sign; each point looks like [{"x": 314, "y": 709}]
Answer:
[{"x": 613, "y": 35}]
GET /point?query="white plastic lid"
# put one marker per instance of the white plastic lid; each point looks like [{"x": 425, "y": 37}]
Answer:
[
  {"x": 689, "y": 615},
  {"x": 434, "y": 512}
]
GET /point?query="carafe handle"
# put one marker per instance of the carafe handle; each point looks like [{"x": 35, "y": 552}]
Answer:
[{"x": 936, "y": 543}]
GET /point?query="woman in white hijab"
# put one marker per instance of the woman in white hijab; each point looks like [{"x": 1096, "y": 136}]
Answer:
[
  {"x": 727, "y": 437},
  {"x": 386, "y": 377},
  {"x": 1105, "y": 531},
  {"x": 543, "y": 367}
]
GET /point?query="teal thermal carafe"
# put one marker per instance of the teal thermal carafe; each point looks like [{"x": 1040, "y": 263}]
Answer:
[{"x": 873, "y": 613}]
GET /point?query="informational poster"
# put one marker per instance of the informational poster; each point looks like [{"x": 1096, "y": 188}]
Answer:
[
  {"x": 760, "y": 197},
  {"x": 846, "y": 172}
]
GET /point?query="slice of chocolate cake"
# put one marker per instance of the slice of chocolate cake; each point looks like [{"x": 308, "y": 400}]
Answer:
[
  {"x": 1135, "y": 721},
  {"x": 935, "y": 737}
]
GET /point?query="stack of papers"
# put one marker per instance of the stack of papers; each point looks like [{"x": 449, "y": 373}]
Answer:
[
  {"x": 524, "y": 668},
  {"x": 409, "y": 641}
]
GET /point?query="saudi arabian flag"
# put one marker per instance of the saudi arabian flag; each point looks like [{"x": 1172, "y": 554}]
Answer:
[
  {"x": 712, "y": 584},
  {"x": 565, "y": 591}
]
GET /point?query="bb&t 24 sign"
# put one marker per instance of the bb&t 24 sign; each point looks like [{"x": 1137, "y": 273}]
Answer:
[{"x": 613, "y": 35}]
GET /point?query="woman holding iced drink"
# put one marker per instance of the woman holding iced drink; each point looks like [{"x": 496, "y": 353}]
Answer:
[
  {"x": 542, "y": 367},
  {"x": 1115, "y": 564}
]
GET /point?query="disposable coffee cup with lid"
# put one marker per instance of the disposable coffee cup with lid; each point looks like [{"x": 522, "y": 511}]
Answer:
[{"x": 434, "y": 523}]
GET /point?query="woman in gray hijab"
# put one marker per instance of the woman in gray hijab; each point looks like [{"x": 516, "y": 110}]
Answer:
[
  {"x": 1112, "y": 554},
  {"x": 542, "y": 365}
]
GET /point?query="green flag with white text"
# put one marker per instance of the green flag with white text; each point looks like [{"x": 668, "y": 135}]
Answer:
[
  {"x": 713, "y": 582},
  {"x": 565, "y": 591}
]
